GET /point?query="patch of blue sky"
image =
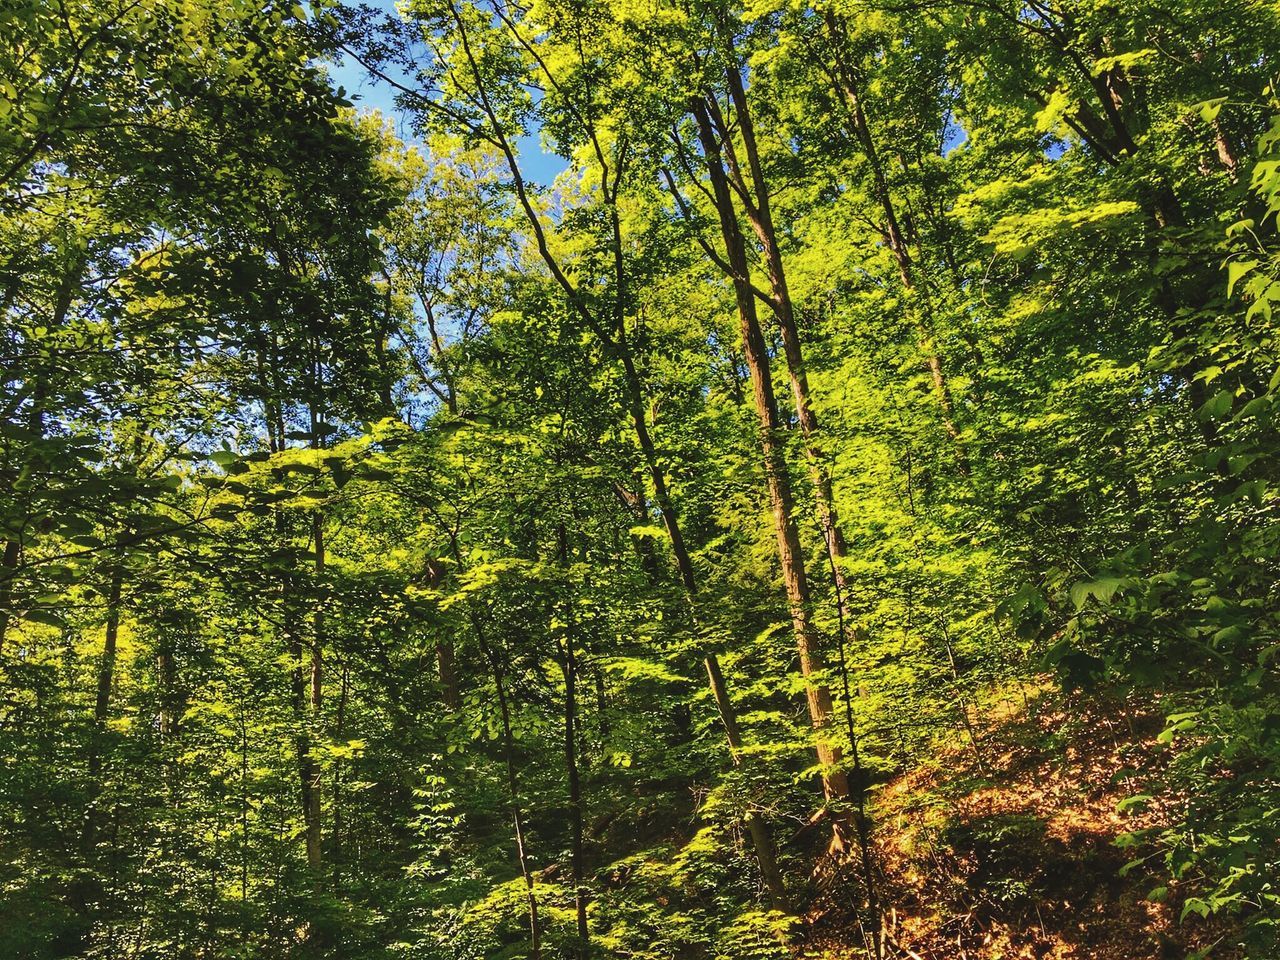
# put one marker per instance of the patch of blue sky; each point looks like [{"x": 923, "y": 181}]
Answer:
[
  {"x": 953, "y": 136},
  {"x": 367, "y": 93}
]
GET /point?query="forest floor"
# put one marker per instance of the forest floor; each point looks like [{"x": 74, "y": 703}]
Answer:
[{"x": 1007, "y": 849}]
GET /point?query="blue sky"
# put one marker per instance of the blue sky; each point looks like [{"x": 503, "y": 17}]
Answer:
[{"x": 368, "y": 93}]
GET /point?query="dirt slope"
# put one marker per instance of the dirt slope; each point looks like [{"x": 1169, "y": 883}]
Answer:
[{"x": 1008, "y": 850}]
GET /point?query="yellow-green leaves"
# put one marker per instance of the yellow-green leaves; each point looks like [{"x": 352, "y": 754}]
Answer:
[
  {"x": 1237, "y": 270},
  {"x": 1020, "y": 234},
  {"x": 1209, "y": 109},
  {"x": 1124, "y": 61}
]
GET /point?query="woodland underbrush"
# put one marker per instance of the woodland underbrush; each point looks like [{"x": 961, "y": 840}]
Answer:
[{"x": 1020, "y": 845}]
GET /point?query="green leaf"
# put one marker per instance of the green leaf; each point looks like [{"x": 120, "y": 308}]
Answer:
[
  {"x": 1209, "y": 109},
  {"x": 648, "y": 530},
  {"x": 1217, "y": 406},
  {"x": 1194, "y": 905},
  {"x": 1101, "y": 589},
  {"x": 1138, "y": 801},
  {"x": 1237, "y": 270}
]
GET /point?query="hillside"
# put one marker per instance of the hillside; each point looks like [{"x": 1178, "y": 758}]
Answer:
[{"x": 1018, "y": 850}]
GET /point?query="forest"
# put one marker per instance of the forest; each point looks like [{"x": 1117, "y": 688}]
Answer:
[{"x": 672, "y": 480}]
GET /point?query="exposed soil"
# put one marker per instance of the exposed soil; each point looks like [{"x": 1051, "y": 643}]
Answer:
[{"x": 1009, "y": 850}]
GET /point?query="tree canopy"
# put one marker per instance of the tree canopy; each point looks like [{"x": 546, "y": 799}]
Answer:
[{"x": 409, "y": 556}]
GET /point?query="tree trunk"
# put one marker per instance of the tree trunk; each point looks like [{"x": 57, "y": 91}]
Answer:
[
  {"x": 168, "y": 705},
  {"x": 12, "y": 556},
  {"x": 446, "y": 662},
  {"x": 107, "y": 665},
  {"x": 309, "y": 771},
  {"x": 308, "y": 774},
  {"x": 305, "y": 674},
  {"x": 8, "y": 572},
  {"x": 447, "y": 666},
  {"x": 569, "y": 669},
  {"x": 340, "y": 729},
  {"x": 761, "y": 836},
  {"x": 835, "y": 783},
  {"x": 513, "y": 790},
  {"x": 760, "y": 216},
  {"x": 508, "y": 745},
  {"x": 102, "y": 703},
  {"x": 636, "y": 504}
]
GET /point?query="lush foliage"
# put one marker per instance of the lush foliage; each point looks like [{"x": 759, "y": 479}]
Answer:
[{"x": 407, "y": 557}]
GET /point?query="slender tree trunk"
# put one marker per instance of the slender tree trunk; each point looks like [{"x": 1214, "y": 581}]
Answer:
[
  {"x": 107, "y": 665},
  {"x": 340, "y": 731},
  {"x": 513, "y": 787},
  {"x": 760, "y": 216},
  {"x": 1226, "y": 150},
  {"x": 313, "y": 799},
  {"x": 602, "y": 703},
  {"x": 513, "y": 790},
  {"x": 8, "y": 572},
  {"x": 757, "y": 829},
  {"x": 446, "y": 661},
  {"x": 244, "y": 806},
  {"x": 165, "y": 668},
  {"x": 305, "y": 675},
  {"x": 308, "y": 774},
  {"x": 835, "y": 783},
  {"x": 446, "y": 664},
  {"x": 635, "y": 502},
  {"x": 761, "y": 834},
  {"x": 569, "y": 669},
  {"x": 102, "y": 702},
  {"x": 12, "y": 555},
  {"x": 309, "y": 771}
]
